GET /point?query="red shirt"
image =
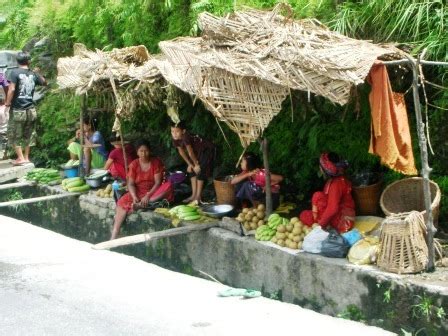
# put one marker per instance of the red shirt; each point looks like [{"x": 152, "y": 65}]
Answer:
[
  {"x": 144, "y": 180},
  {"x": 339, "y": 191},
  {"x": 195, "y": 141},
  {"x": 116, "y": 155}
]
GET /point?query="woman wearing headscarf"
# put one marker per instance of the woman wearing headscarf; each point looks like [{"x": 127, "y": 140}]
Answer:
[{"x": 334, "y": 206}]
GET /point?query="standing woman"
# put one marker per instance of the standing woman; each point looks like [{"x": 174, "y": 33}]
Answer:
[
  {"x": 198, "y": 154},
  {"x": 145, "y": 184},
  {"x": 95, "y": 154},
  {"x": 334, "y": 206}
]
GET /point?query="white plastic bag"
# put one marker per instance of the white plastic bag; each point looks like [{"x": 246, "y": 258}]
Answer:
[{"x": 313, "y": 240}]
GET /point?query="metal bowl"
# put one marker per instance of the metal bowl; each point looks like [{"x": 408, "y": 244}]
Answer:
[
  {"x": 94, "y": 183},
  {"x": 217, "y": 211}
]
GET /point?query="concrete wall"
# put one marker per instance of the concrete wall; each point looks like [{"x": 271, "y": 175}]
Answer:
[{"x": 330, "y": 286}]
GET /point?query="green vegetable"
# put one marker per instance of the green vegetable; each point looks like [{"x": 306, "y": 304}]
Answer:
[
  {"x": 82, "y": 188},
  {"x": 192, "y": 217},
  {"x": 76, "y": 183}
]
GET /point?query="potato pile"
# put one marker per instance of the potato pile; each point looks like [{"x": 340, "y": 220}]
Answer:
[
  {"x": 105, "y": 193},
  {"x": 291, "y": 235},
  {"x": 252, "y": 218}
]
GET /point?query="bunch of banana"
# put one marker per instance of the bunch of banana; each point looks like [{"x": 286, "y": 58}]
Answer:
[
  {"x": 264, "y": 233},
  {"x": 285, "y": 208},
  {"x": 275, "y": 220},
  {"x": 185, "y": 212}
]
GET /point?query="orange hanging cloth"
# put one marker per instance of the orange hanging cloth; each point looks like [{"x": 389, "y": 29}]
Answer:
[{"x": 390, "y": 136}]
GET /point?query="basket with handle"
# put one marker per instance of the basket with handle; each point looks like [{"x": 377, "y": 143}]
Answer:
[
  {"x": 403, "y": 246},
  {"x": 407, "y": 195},
  {"x": 225, "y": 191}
]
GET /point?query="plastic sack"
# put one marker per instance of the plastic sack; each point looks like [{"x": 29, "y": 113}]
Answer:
[
  {"x": 365, "y": 251},
  {"x": 335, "y": 246},
  {"x": 312, "y": 243},
  {"x": 352, "y": 236}
]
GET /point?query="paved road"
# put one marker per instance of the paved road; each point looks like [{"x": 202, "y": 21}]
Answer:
[{"x": 54, "y": 285}]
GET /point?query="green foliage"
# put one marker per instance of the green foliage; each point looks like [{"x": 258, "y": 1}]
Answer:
[
  {"x": 352, "y": 312},
  {"x": 58, "y": 115}
]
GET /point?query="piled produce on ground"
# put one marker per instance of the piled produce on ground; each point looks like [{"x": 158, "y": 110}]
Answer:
[
  {"x": 71, "y": 163},
  {"x": 44, "y": 176},
  {"x": 291, "y": 233},
  {"x": 106, "y": 192},
  {"x": 75, "y": 184},
  {"x": 185, "y": 212},
  {"x": 252, "y": 218},
  {"x": 267, "y": 231}
]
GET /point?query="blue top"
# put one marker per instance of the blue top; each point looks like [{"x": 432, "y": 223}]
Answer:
[{"x": 97, "y": 138}]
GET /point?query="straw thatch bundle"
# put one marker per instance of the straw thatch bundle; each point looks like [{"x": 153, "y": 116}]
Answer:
[
  {"x": 242, "y": 68},
  {"x": 262, "y": 56}
]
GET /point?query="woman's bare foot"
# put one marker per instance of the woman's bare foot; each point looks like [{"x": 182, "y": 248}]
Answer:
[{"x": 188, "y": 200}]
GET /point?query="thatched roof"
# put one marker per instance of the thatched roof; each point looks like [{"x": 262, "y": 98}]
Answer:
[{"x": 242, "y": 67}]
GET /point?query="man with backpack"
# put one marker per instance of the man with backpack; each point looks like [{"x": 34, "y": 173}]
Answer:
[{"x": 22, "y": 115}]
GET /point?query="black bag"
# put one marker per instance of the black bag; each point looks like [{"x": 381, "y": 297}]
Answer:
[{"x": 335, "y": 246}]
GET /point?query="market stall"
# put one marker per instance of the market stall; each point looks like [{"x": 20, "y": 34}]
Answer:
[{"x": 242, "y": 68}]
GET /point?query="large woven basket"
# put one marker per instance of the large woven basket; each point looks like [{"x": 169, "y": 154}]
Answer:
[
  {"x": 403, "y": 247},
  {"x": 225, "y": 191},
  {"x": 407, "y": 195}
]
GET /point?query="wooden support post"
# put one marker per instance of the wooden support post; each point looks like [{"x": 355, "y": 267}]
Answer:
[
  {"x": 264, "y": 149},
  {"x": 426, "y": 170},
  {"x": 81, "y": 138},
  {"x": 37, "y": 199},
  {"x": 120, "y": 132}
]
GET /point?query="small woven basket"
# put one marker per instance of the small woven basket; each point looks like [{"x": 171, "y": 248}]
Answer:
[
  {"x": 225, "y": 191},
  {"x": 403, "y": 247},
  {"x": 407, "y": 195}
]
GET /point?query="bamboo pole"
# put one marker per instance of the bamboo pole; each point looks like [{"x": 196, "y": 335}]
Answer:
[
  {"x": 268, "y": 192},
  {"x": 426, "y": 170},
  {"x": 37, "y": 199},
  {"x": 144, "y": 237},
  {"x": 81, "y": 138},
  {"x": 16, "y": 185}
]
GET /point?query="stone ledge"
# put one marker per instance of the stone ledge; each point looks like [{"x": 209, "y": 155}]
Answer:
[{"x": 323, "y": 284}]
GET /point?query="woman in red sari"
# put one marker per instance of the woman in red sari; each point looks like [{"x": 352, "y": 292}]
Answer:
[
  {"x": 145, "y": 185},
  {"x": 334, "y": 206}
]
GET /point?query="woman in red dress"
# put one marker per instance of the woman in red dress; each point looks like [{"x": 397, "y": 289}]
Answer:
[
  {"x": 334, "y": 206},
  {"x": 145, "y": 185}
]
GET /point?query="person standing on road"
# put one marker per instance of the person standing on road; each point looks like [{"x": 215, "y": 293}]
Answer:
[
  {"x": 22, "y": 114},
  {"x": 4, "y": 117}
]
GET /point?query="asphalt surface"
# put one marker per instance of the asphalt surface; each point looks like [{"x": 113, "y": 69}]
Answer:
[{"x": 54, "y": 285}]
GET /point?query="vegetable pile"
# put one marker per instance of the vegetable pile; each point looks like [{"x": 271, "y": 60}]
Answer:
[
  {"x": 44, "y": 176},
  {"x": 75, "y": 184},
  {"x": 185, "y": 212},
  {"x": 291, "y": 234},
  {"x": 252, "y": 218},
  {"x": 106, "y": 192}
]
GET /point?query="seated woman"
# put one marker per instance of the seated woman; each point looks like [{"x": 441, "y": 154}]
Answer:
[
  {"x": 115, "y": 163},
  {"x": 94, "y": 150},
  {"x": 145, "y": 184},
  {"x": 250, "y": 183},
  {"x": 334, "y": 206}
]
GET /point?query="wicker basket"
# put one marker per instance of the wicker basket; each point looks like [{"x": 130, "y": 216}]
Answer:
[
  {"x": 403, "y": 247},
  {"x": 225, "y": 191},
  {"x": 367, "y": 199},
  {"x": 407, "y": 195}
]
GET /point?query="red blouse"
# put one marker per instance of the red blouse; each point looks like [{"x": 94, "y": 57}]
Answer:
[
  {"x": 339, "y": 191},
  {"x": 144, "y": 180}
]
